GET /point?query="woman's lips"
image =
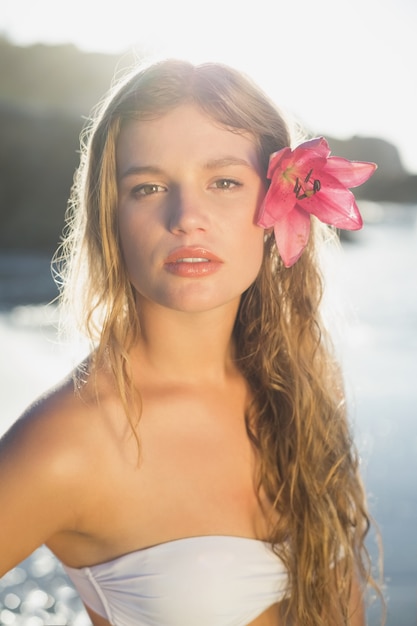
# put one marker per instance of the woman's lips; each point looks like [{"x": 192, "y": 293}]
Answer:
[{"x": 192, "y": 262}]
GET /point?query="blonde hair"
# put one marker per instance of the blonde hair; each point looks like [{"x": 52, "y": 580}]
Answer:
[{"x": 297, "y": 420}]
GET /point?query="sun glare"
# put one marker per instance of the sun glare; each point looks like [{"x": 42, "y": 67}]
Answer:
[{"x": 342, "y": 68}]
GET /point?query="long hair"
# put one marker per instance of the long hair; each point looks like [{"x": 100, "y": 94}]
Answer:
[{"x": 297, "y": 420}]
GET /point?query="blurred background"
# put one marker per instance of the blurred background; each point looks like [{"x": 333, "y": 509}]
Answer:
[{"x": 343, "y": 70}]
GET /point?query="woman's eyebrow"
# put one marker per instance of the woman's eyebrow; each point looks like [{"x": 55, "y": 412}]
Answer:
[
  {"x": 134, "y": 170},
  {"x": 211, "y": 164},
  {"x": 226, "y": 161}
]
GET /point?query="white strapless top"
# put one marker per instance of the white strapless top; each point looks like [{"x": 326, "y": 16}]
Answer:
[{"x": 196, "y": 581}]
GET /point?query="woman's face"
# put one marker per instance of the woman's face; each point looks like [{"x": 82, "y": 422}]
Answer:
[{"x": 189, "y": 191}]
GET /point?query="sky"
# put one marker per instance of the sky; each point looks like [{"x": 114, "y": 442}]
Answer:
[{"x": 340, "y": 67}]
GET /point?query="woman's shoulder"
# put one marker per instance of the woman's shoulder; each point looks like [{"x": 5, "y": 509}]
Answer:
[
  {"x": 51, "y": 461},
  {"x": 59, "y": 426}
]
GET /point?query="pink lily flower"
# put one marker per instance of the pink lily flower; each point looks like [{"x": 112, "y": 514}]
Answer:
[{"x": 308, "y": 181}]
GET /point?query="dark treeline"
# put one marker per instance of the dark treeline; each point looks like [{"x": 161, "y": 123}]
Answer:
[{"x": 46, "y": 94}]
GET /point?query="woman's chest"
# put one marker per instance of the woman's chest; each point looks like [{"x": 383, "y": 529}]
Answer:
[
  {"x": 194, "y": 474},
  {"x": 194, "y": 477}
]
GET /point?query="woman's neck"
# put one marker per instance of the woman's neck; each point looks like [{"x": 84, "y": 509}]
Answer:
[{"x": 191, "y": 347}]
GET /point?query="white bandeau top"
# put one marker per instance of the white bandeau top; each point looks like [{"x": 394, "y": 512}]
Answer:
[{"x": 196, "y": 581}]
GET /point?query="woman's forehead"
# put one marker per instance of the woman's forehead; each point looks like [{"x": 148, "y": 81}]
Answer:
[{"x": 188, "y": 132}]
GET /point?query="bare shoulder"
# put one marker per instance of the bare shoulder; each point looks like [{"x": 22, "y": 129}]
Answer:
[
  {"x": 44, "y": 460},
  {"x": 49, "y": 428}
]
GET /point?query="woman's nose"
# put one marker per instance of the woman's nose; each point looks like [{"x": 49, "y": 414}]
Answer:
[{"x": 188, "y": 212}]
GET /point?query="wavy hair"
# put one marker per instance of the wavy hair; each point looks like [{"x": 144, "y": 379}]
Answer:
[{"x": 297, "y": 420}]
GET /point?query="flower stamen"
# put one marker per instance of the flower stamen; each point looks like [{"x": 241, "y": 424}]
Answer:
[{"x": 301, "y": 192}]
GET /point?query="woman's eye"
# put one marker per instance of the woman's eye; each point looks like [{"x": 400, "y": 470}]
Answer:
[
  {"x": 226, "y": 183},
  {"x": 148, "y": 189}
]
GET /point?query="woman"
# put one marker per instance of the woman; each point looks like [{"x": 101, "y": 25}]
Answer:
[{"x": 201, "y": 470}]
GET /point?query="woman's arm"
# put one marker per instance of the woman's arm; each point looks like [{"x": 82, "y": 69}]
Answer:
[{"x": 39, "y": 480}]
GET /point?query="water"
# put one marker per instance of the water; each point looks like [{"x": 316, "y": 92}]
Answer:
[
  {"x": 374, "y": 286},
  {"x": 381, "y": 366}
]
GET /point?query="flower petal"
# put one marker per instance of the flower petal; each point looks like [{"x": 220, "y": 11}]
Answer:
[
  {"x": 278, "y": 201},
  {"x": 291, "y": 235},
  {"x": 278, "y": 159},
  {"x": 317, "y": 146},
  {"x": 335, "y": 206},
  {"x": 350, "y": 173}
]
